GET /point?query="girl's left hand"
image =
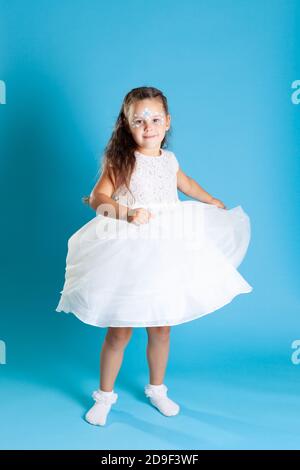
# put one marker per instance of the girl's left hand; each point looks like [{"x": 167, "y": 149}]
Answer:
[{"x": 218, "y": 203}]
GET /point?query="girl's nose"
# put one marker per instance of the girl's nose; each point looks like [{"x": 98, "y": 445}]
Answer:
[{"x": 148, "y": 125}]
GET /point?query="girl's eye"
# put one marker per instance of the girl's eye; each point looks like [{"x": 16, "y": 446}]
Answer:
[
  {"x": 138, "y": 122},
  {"x": 158, "y": 120}
]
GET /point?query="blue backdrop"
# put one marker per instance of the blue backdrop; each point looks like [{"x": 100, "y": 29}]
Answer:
[{"x": 227, "y": 68}]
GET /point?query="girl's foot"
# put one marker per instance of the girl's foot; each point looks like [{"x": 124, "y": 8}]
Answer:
[
  {"x": 98, "y": 413},
  {"x": 158, "y": 397}
]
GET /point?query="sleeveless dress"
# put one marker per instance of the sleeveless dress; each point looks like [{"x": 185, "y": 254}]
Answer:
[{"x": 179, "y": 266}]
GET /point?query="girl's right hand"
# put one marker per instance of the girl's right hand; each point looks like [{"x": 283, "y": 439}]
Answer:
[{"x": 138, "y": 216}]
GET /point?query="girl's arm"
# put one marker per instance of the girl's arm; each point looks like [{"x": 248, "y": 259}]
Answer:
[
  {"x": 190, "y": 187},
  {"x": 100, "y": 199}
]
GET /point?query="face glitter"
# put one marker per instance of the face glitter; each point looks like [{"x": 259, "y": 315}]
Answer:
[{"x": 147, "y": 115}]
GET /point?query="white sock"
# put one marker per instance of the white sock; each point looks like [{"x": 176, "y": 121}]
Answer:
[
  {"x": 158, "y": 397},
  {"x": 98, "y": 413}
]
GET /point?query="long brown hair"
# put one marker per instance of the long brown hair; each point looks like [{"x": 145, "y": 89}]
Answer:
[{"x": 119, "y": 159}]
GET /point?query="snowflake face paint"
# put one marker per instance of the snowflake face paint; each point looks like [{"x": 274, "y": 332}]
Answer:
[{"x": 147, "y": 115}]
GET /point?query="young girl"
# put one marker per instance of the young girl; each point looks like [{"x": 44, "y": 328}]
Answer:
[{"x": 148, "y": 259}]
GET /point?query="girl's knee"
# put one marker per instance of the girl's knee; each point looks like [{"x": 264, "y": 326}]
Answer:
[
  {"x": 160, "y": 332},
  {"x": 119, "y": 336}
]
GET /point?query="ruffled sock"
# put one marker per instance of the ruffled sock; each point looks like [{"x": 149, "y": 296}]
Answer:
[
  {"x": 157, "y": 395},
  {"x": 97, "y": 415}
]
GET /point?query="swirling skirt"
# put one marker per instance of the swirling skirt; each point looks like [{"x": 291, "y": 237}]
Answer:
[{"x": 179, "y": 266}]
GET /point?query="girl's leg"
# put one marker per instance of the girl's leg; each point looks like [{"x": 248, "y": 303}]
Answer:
[
  {"x": 111, "y": 356},
  {"x": 157, "y": 352},
  {"x": 110, "y": 362}
]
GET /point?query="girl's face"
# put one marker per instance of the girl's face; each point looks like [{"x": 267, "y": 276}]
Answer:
[{"x": 148, "y": 123}]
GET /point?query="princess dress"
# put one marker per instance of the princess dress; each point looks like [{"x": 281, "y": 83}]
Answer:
[{"x": 179, "y": 266}]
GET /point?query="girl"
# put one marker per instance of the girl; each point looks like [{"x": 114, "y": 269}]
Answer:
[{"x": 148, "y": 259}]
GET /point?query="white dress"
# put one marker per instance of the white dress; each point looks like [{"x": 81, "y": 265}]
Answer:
[{"x": 179, "y": 266}]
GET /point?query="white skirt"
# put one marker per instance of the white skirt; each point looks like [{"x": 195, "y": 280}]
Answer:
[{"x": 179, "y": 266}]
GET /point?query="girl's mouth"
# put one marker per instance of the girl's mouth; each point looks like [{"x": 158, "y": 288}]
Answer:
[{"x": 149, "y": 136}]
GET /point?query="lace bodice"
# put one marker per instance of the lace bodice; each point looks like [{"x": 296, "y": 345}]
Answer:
[{"x": 153, "y": 181}]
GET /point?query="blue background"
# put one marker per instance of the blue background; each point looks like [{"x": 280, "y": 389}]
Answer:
[{"x": 226, "y": 68}]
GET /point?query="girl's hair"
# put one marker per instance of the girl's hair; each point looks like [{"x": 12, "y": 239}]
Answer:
[{"x": 119, "y": 159}]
